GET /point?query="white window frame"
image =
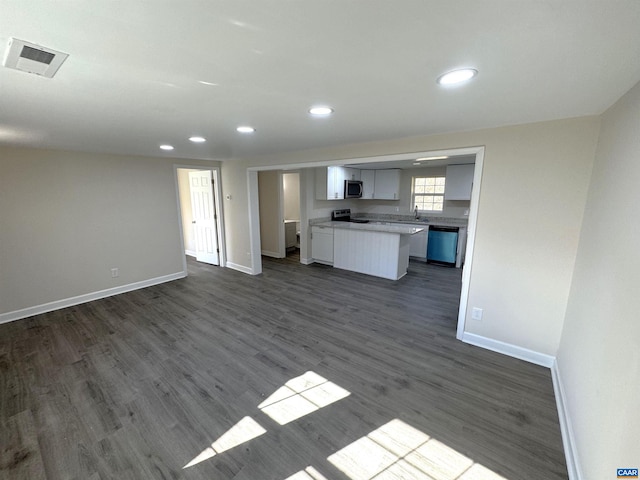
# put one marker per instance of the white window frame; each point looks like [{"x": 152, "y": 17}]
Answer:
[{"x": 433, "y": 194}]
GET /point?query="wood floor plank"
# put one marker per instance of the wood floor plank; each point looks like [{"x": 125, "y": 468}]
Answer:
[
  {"x": 138, "y": 385},
  {"x": 19, "y": 450}
]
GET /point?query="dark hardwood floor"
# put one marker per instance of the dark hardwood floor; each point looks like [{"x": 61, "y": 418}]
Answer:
[{"x": 136, "y": 386}]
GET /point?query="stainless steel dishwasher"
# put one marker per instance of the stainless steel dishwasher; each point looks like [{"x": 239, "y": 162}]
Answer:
[{"x": 442, "y": 246}]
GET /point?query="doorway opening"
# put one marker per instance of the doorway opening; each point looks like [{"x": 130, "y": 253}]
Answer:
[
  {"x": 388, "y": 162},
  {"x": 279, "y": 213},
  {"x": 291, "y": 213},
  {"x": 201, "y": 223}
]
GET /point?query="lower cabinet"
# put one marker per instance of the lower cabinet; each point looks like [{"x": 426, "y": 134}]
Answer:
[
  {"x": 290, "y": 235},
  {"x": 418, "y": 244},
  {"x": 322, "y": 244}
]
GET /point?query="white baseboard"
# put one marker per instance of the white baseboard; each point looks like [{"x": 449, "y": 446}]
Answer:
[
  {"x": 509, "y": 349},
  {"x": 268, "y": 253},
  {"x": 191, "y": 253},
  {"x": 87, "y": 297},
  {"x": 306, "y": 261},
  {"x": 568, "y": 442},
  {"x": 239, "y": 268},
  {"x": 568, "y": 439}
]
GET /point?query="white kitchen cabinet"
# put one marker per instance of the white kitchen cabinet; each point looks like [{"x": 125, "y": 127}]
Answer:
[
  {"x": 418, "y": 244},
  {"x": 379, "y": 253},
  {"x": 322, "y": 244},
  {"x": 387, "y": 184},
  {"x": 330, "y": 181},
  {"x": 368, "y": 178},
  {"x": 459, "y": 182},
  {"x": 290, "y": 235},
  {"x": 351, "y": 173},
  {"x": 326, "y": 184}
]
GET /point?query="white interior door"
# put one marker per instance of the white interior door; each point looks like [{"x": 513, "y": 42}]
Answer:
[{"x": 204, "y": 217}]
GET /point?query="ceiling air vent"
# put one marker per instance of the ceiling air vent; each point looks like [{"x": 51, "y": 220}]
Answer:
[{"x": 33, "y": 58}]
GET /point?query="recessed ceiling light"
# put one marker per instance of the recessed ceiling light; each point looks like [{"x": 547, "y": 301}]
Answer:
[
  {"x": 197, "y": 139},
  {"x": 457, "y": 76},
  {"x": 431, "y": 158},
  {"x": 166, "y": 147},
  {"x": 321, "y": 110},
  {"x": 246, "y": 129},
  {"x": 417, "y": 163}
]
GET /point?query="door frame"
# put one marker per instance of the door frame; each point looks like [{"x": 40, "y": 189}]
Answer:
[
  {"x": 217, "y": 201},
  {"x": 254, "y": 220},
  {"x": 280, "y": 252},
  {"x": 283, "y": 239}
]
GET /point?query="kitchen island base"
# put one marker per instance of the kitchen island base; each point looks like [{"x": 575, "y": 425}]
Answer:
[{"x": 381, "y": 254}]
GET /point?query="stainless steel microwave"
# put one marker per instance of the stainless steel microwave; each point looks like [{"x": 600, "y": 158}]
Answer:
[{"x": 352, "y": 189}]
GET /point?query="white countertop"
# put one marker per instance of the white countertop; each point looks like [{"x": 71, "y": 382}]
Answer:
[
  {"x": 433, "y": 223},
  {"x": 372, "y": 227}
]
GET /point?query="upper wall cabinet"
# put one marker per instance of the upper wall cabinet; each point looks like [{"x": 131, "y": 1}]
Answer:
[
  {"x": 330, "y": 181},
  {"x": 368, "y": 178},
  {"x": 459, "y": 182},
  {"x": 380, "y": 184},
  {"x": 387, "y": 184}
]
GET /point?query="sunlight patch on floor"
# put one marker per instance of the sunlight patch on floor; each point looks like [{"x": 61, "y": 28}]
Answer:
[
  {"x": 300, "y": 396},
  {"x": 397, "y": 450},
  {"x": 308, "y": 473},
  {"x": 296, "y": 398},
  {"x": 243, "y": 431}
]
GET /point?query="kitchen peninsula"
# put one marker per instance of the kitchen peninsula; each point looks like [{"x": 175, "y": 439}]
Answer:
[{"x": 370, "y": 248}]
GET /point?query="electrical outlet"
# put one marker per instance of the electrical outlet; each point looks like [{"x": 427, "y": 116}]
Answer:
[
  {"x": 476, "y": 313},
  {"x": 397, "y": 209},
  {"x": 115, "y": 273}
]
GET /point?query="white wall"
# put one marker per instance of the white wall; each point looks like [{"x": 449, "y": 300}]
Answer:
[
  {"x": 599, "y": 355},
  {"x": 269, "y": 194},
  {"x": 67, "y": 218},
  {"x": 533, "y": 194},
  {"x": 291, "y": 193}
]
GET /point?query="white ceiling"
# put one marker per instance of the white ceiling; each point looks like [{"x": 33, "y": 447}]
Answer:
[{"x": 133, "y": 77}]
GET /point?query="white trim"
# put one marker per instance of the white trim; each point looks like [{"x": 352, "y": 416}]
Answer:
[
  {"x": 267, "y": 253},
  {"x": 305, "y": 193},
  {"x": 254, "y": 223},
  {"x": 87, "y": 297},
  {"x": 471, "y": 240},
  {"x": 217, "y": 193},
  {"x": 191, "y": 253},
  {"x": 375, "y": 159},
  {"x": 282, "y": 242},
  {"x": 240, "y": 268},
  {"x": 509, "y": 349},
  {"x": 568, "y": 438}
]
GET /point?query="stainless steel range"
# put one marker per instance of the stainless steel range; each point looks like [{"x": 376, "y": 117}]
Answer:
[{"x": 344, "y": 215}]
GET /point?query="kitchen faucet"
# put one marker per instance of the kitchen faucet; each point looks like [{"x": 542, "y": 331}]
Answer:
[{"x": 415, "y": 210}]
